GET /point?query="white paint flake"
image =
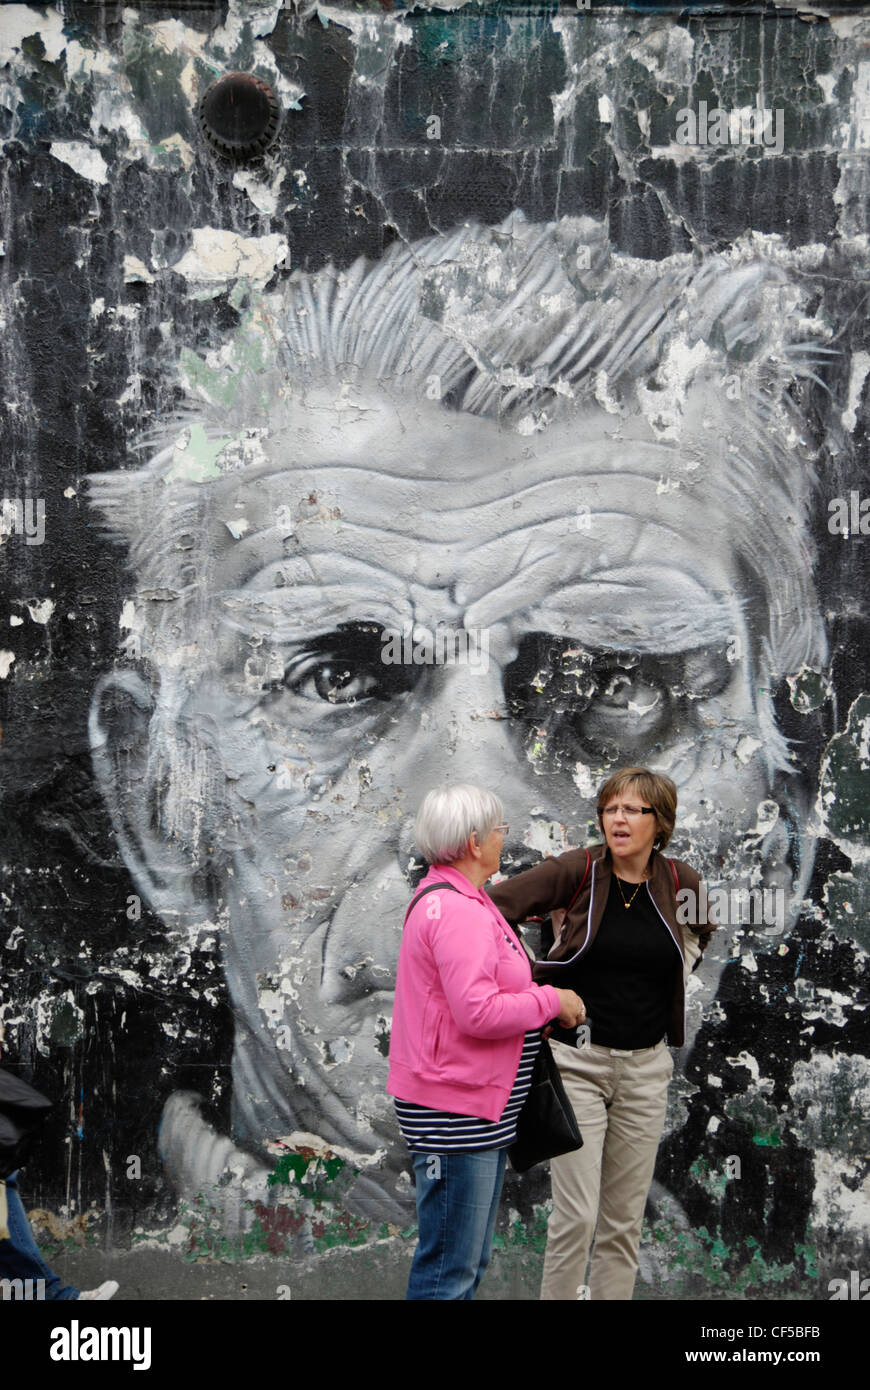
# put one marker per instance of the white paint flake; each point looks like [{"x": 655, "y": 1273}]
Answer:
[
  {"x": 177, "y": 145},
  {"x": 745, "y": 1059},
  {"x": 175, "y": 37},
  {"x": 82, "y": 62},
  {"x": 218, "y": 255},
  {"x": 746, "y": 748},
  {"x": 585, "y": 780},
  {"x": 83, "y": 158},
  {"x": 40, "y": 612},
  {"x": 263, "y": 195},
  {"x": 857, "y": 377},
  {"x": 20, "y": 22},
  {"x": 136, "y": 272}
]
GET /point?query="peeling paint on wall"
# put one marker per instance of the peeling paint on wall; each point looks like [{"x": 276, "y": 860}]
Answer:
[{"x": 480, "y": 344}]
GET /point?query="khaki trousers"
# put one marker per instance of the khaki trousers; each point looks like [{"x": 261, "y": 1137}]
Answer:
[{"x": 620, "y": 1100}]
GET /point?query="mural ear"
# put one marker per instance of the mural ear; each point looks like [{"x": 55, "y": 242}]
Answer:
[{"x": 119, "y": 729}]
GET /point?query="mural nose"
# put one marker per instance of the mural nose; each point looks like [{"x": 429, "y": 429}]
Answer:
[{"x": 463, "y": 736}]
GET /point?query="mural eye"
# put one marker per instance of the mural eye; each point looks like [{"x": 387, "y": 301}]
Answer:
[
  {"x": 335, "y": 681},
  {"x": 603, "y": 705},
  {"x": 628, "y": 703},
  {"x": 346, "y": 667}
]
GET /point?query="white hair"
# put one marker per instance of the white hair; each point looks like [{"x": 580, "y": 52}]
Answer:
[{"x": 450, "y": 815}]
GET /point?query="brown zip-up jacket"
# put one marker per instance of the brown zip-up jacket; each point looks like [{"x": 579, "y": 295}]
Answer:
[{"x": 554, "y": 883}]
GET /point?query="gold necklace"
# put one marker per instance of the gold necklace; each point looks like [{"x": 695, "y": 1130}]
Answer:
[{"x": 628, "y": 904}]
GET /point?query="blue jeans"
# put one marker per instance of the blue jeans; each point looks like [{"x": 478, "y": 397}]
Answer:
[
  {"x": 20, "y": 1257},
  {"x": 457, "y": 1203}
]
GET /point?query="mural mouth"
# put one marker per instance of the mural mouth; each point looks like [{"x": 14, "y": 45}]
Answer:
[{"x": 354, "y": 988}]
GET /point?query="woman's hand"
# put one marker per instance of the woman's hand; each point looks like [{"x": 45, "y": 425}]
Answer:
[{"x": 573, "y": 1010}]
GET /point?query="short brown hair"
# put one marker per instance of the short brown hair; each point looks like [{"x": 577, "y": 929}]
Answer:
[{"x": 654, "y": 789}]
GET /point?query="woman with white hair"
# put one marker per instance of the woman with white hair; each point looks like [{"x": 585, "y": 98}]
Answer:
[{"x": 466, "y": 1029}]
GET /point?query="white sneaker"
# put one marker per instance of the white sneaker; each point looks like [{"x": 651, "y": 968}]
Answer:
[{"x": 103, "y": 1293}]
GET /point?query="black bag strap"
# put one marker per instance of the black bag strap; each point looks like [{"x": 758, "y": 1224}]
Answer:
[{"x": 431, "y": 889}]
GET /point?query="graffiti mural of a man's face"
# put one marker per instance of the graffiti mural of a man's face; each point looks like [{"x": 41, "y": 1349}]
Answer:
[{"x": 583, "y": 463}]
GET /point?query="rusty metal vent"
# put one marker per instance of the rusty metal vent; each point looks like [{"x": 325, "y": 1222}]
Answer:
[{"x": 239, "y": 116}]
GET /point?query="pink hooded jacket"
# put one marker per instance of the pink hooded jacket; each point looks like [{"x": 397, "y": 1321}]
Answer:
[{"x": 464, "y": 1001}]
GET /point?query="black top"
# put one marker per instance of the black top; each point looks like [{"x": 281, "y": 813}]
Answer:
[{"x": 626, "y": 978}]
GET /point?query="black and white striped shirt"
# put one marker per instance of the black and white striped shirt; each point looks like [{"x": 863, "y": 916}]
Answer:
[{"x": 437, "y": 1131}]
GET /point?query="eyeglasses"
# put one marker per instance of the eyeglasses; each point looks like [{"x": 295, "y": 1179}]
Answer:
[
  {"x": 505, "y": 829},
  {"x": 631, "y": 811}
]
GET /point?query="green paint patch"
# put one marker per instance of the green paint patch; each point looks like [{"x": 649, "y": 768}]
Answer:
[
  {"x": 713, "y": 1182},
  {"x": 340, "y": 1229},
  {"x": 769, "y": 1140},
  {"x": 313, "y": 1213},
  {"x": 697, "y": 1263},
  {"x": 753, "y": 1111},
  {"x": 305, "y": 1170},
  {"x": 808, "y": 690},
  {"x": 206, "y": 1242},
  {"x": 194, "y": 458},
  {"x": 810, "y": 1258},
  {"x": 248, "y": 353},
  {"x": 520, "y": 1236}
]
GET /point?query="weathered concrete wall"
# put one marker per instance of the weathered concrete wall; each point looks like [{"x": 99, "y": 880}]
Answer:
[{"x": 535, "y": 329}]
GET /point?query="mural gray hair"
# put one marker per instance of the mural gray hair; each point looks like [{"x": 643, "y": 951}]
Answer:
[{"x": 512, "y": 327}]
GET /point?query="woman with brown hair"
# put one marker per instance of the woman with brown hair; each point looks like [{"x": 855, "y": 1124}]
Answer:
[{"x": 624, "y": 949}]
